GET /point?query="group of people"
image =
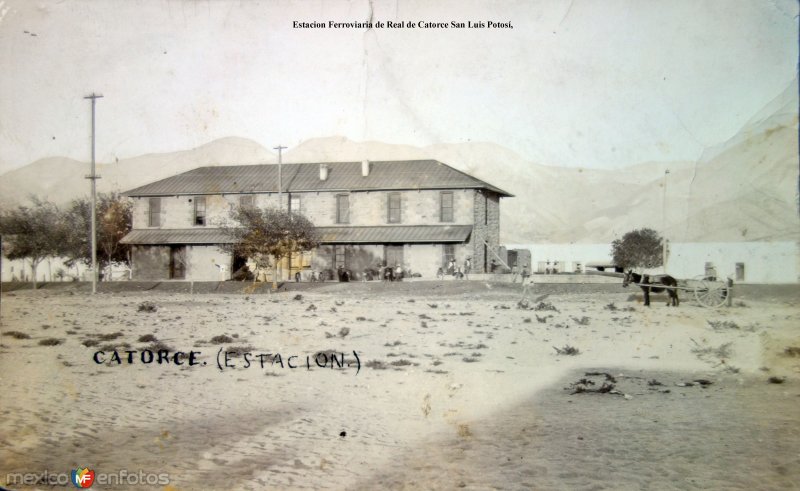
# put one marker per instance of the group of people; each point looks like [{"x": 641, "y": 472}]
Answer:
[
  {"x": 389, "y": 273},
  {"x": 452, "y": 269}
]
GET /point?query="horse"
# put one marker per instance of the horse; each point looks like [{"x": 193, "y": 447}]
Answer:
[{"x": 644, "y": 280}]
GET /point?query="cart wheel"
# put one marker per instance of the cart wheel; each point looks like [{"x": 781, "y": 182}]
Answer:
[{"x": 711, "y": 293}]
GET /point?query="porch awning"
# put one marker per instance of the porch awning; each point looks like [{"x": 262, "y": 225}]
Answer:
[
  {"x": 159, "y": 236},
  {"x": 399, "y": 234}
]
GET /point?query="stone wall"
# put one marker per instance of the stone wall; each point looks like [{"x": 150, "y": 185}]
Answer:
[
  {"x": 486, "y": 219},
  {"x": 203, "y": 263},
  {"x": 150, "y": 263},
  {"x": 366, "y": 208}
]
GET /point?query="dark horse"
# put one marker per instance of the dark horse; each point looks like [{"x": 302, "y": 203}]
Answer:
[{"x": 644, "y": 280}]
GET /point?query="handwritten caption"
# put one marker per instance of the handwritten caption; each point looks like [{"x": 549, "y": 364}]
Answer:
[{"x": 232, "y": 360}]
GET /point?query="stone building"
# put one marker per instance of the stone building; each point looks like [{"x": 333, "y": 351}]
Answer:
[{"x": 416, "y": 214}]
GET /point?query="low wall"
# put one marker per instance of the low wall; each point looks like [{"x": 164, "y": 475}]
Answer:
[{"x": 535, "y": 279}]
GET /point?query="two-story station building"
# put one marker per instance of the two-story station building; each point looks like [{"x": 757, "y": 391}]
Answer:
[{"x": 417, "y": 214}]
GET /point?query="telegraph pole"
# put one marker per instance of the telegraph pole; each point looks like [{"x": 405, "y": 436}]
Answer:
[
  {"x": 94, "y": 177},
  {"x": 664, "y": 223},
  {"x": 279, "y": 148}
]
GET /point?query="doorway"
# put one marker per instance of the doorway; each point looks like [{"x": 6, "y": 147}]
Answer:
[
  {"x": 393, "y": 255},
  {"x": 177, "y": 262}
]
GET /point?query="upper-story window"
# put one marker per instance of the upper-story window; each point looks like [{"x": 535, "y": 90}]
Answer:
[
  {"x": 154, "y": 212},
  {"x": 446, "y": 206},
  {"x": 294, "y": 204},
  {"x": 393, "y": 207},
  {"x": 247, "y": 201},
  {"x": 342, "y": 208},
  {"x": 200, "y": 210}
]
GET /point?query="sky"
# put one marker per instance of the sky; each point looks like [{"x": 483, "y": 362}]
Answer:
[{"x": 595, "y": 83}]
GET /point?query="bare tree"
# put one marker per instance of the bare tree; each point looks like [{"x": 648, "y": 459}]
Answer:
[
  {"x": 267, "y": 236},
  {"x": 32, "y": 232},
  {"x": 641, "y": 248}
]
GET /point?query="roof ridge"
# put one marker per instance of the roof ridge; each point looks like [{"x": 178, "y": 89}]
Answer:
[{"x": 300, "y": 177}]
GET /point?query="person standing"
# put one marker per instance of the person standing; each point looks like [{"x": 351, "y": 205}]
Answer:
[
  {"x": 467, "y": 268},
  {"x": 451, "y": 267}
]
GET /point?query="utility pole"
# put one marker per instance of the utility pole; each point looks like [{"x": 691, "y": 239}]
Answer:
[
  {"x": 664, "y": 223},
  {"x": 94, "y": 177},
  {"x": 279, "y": 148}
]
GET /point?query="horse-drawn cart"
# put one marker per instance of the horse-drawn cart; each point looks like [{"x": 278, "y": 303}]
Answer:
[{"x": 708, "y": 291}]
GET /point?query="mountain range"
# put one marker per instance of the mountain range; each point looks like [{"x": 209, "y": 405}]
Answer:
[{"x": 743, "y": 189}]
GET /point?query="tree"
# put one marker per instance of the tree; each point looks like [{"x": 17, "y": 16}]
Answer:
[
  {"x": 267, "y": 236},
  {"x": 641, "y": 248},
  {"x": 32, "y": 232},
  {"x": 113, "y": 223}
]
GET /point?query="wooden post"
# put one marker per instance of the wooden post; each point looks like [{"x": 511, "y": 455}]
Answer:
[{"x": 729, "y": 284}]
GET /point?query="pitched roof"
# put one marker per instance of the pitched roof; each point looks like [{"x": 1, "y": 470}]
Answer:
[
  {"x": 342, "y": 176},
  {"x": 402, "y": 234}
]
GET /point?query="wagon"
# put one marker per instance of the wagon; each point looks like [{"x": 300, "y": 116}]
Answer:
[{"x": 707, "y": 290}]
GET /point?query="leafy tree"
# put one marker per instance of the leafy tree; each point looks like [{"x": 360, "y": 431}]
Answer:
[
  {"x": 32, "y": 232},
  {"x": 640, "y": 248},
  {"x": 113, "y": 223},
  {"x": 269, "y": 235}
]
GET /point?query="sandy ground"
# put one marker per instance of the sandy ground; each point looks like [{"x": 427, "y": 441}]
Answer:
[{"x": 459, "y": 387}]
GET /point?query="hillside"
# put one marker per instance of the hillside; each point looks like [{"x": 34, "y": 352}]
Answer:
[
  {"x": 742, "y": 189},
  {"x": 60, "y": 180}
]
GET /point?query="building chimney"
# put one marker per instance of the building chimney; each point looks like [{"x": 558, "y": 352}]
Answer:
[
  {"x": 323, "y": 172},
  {"x": 365, "y": 168}
]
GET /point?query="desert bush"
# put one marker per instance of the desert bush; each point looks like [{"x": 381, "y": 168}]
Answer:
[
  {"x": 221, "y": 339},
  {"x": 109, "y": 337},
  {"x": 545, "y": 306},
  {"x": 722, "y": 351},
  {"x": 792, "y": 351},
  {"x": 16, "y": 335},
  {"x": 147, "y": 306},
  {"x": 159, "y": 346},
  {"x": 147, "y": 338},
  {"x": 50, "y": 342},
  {"x": 241, "y": 350},
  {"x": 723, "y": 325},
  {"x": 567, "y": 350},
  {"x": 114, "y": 347},
  {"x": 376, "y": 365}
]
